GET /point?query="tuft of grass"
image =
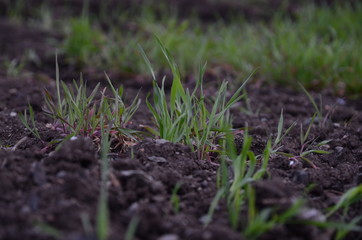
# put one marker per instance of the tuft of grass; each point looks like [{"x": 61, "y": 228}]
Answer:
[
  {"x": 185, "y": 117},
  {"x": 76, "y": 113},
  {"x": 25, "y": 119}
]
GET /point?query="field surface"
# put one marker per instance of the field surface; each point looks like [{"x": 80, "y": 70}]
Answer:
[{"x": 284, "y": 161}]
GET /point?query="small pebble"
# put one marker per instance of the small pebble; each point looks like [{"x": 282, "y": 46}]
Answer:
[
  {"x": 13, "y": 114},
  {"x": 157, "y": 159},
  {"x": 13, "y": 91},
  {"x": 339, "y": 149},
  {"x": 204, "y": 184},
  {"x": 312, "y": 214},
  {"x": 161, "y": 141},
  {"x": 341, "y": 101},
  {"x": 169, "y": 237}
]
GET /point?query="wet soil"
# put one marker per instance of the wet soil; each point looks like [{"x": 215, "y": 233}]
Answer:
[{"x": 48, "y": 194}]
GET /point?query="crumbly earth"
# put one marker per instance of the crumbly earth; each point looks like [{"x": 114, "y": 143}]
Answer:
[{"x": 48, "y": 194}]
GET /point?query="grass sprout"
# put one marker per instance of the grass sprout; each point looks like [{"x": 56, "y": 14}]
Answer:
[
  {"x": 175, "y": 199},
  {"x": 321, "y": 118},
  {"x": 102, "y": 211},
  {"x": 265, "y": 220},
  {"x": 351, "y": 196},
  {"x": 76, "y": 113},
  {"x": 248, "y": 109},
  {"x": 280, "y": 135},
  {"x": 185, "y": 117},
  {"x": 244, "y": 172},
  {"x": 132, "y": 227},
  {"x": 307, "y": 147},
  {"x": 29, "y": 122}
]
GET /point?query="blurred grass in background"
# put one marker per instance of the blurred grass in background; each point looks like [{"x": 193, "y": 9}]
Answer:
[{"x": 317, "y": 45}]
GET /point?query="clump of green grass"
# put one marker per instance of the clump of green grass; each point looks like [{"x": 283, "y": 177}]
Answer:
[
  {"x": 83, "y": 41},
  {"x": 76, "y": 113},
  {"x": 185, "y": 118}
]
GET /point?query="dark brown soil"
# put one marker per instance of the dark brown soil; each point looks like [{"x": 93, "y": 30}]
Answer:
[{"x": 42, "y": 188}]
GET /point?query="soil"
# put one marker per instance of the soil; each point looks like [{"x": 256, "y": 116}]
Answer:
[{"x": 46, "y": 191}]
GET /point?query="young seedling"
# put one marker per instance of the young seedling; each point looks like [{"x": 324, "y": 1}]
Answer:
[
  {"x": 341, "y": 229},
  {"x": 25, "y": 119},
  {"x": 131, "y": 229},
  {"x": 185, "y": 117},
  {"x": 248, "y": 109},
  {"x": 102, "y": 211},
  {"x": 260, "y": 222},
  {"x": 321, "y": 119},
  {"x": 307, "y": 147},
  {"x": 280, "y": 135},
  {"x": 175, "y": 199},
  {"x": 244, "y": 172}
]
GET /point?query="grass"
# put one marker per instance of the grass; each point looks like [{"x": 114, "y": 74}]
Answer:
[
  {"x": 239, "y": 196},
  {"x": 319, "y": 48},
  {"x": 83, "y": 41},
  {"x": 76, "y": 113},
  {"x": 284, "y": 50},
  {"x": 185, "y": 117},
  {"x": 307, "y": 145},
  {"x": 102, "y": 211},
  {"x": 236, "y": 191},
  {"x": 175, "y": 199},
  {"x": 29, "y": 122}
]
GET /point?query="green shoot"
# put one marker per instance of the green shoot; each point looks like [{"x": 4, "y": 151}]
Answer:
[
  {"x": 237, "y": 191},
  {"x": 306, "y": 146},
  {"x": 248, "y": 109},
  {"x": 351, "y": 196},
  {"x": 280, "y": 135},
  {"x": 25, "y": 119},
  {"x": 319, "y": 110},
  {"x": 175, "y": 199},
  {"x": 322, "y": 120},
  {"x": 132, "y": 227},
  {"x": 48, "y": 230},
  {"x": 102, "y": 212},
  {"x": 343, "y": 230}
]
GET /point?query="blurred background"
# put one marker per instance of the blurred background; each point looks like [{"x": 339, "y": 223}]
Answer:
[{"x": 316, "y": 42}]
